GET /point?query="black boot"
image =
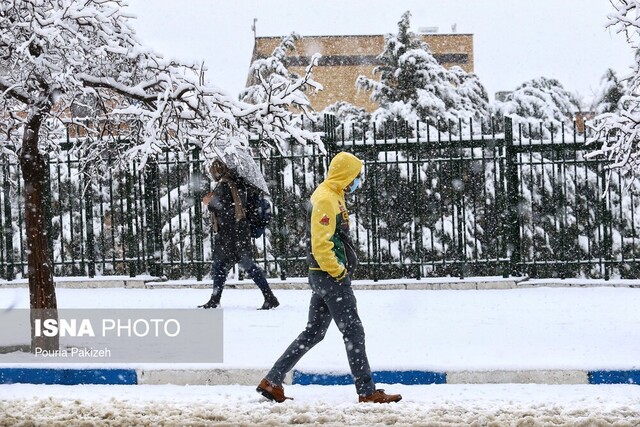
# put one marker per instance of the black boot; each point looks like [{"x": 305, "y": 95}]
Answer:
[
  {"x": 270, "y": 300},
  {"x": 213, "y": 302}
]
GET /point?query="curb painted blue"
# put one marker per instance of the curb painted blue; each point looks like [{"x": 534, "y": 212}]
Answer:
[
  {"x": 614, "y": 377},
  {"x": 68, "y": 376},
  {"x": 64, "y": 376},
  {"x": 384, "y": 377}
]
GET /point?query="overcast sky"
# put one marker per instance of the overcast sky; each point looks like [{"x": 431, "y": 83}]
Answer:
[{"x": 514, "y": 40}]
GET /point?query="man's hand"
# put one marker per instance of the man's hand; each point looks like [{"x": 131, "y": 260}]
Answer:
[{"x": 344, "y": 279}]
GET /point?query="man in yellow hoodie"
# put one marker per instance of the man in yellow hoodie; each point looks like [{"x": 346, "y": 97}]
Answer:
[{"x": 331, "y": 261}]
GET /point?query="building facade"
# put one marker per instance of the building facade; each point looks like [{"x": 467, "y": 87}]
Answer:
[{"x": 344, "y": 58}]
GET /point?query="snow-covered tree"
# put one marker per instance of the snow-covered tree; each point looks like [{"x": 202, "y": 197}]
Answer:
[
  {"x": 57, "y": 55},
  {"x": 539, "y": 105},
  {"x": 619, "y": 129},
  {"x": 414, "y": 86},
  {"x": 354, "y": 120},
  {"x": 473, "y": 102},
  {"x": 271, "y": 76},
  {"x": 608, "y": 97},
  {"x": 394, "y": 86}
]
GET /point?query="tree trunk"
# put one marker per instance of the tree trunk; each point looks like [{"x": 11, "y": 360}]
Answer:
[{"x": 42, "y": 291}]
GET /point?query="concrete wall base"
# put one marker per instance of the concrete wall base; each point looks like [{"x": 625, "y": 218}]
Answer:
[
  {"x": 204, "y": 376},
  {"x": 519, "y": 377}
]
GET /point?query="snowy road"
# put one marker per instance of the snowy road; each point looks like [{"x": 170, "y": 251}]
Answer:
[{"x": 433, "y": 405}]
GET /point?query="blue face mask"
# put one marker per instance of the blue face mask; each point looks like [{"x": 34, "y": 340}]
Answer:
[{"x": 355, "y": 185}]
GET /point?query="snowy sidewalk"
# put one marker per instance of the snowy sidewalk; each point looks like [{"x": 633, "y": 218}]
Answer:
[
  {"x": 588, "y": 333},
  {"x": 427, "y": 283}
]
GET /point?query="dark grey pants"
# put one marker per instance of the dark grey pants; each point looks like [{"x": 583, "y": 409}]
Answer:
[{"x": 329, "y": 301}]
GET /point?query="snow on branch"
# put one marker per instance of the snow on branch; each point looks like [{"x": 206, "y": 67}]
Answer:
[
  {"x": 278, "y": 97},
  {"x": 619, "y": 132},
  {"x": 625, "y": 19},
  {"x": 86, "y": 61}
]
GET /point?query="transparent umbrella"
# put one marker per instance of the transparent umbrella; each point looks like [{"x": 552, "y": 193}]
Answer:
[{"x": 239, "y": 159}]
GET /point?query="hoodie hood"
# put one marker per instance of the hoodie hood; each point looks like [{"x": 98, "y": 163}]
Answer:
[{"x": 343, "y": 169}]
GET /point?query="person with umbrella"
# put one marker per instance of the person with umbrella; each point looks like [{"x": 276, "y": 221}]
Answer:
[{"x": 232, "y": 243}]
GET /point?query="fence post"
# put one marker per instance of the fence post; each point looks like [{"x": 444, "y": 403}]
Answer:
[
  {"x": 88, "y": 203},
  {"x": 3, "y": 260},
  {"x": 330, "y": 135},
  {"x": 10, "y": 273},
  {"x": 150, "y": 186},
  {"x": 606, "y": 255},
  {"x": 374, "y": 266},
  {"x": 458, "y": 188},
  {"x": 130, "y": 253},
  {"x": 278, "y": 200},
  {"x": 417, "y": 205},
  {"x": 197, "y": 207},
  {"x": 49, "y": 215},
  {"x": 512, "y": 199}
]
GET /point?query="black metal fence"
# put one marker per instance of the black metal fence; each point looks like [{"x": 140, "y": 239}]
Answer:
[{"x": 475, "y": 203}]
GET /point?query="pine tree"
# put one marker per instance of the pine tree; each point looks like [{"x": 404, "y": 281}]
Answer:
[
  {"x": 608, "y": 97},
  {"x": 395, "y": 84},
  {"x": 539, "y": 106},
  {"x": 354, "y": 120},
  {"x": 414, "y": 86},
  {"x": 473, "y": 100}
]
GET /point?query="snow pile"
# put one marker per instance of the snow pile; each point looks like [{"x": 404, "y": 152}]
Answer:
[{"x": 443, "y": 405}]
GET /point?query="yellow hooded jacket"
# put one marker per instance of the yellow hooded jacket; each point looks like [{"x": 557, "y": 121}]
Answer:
[{"x": 331, "y": 250}]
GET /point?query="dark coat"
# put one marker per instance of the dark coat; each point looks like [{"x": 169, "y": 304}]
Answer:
[{"x": 233, "y": 239}]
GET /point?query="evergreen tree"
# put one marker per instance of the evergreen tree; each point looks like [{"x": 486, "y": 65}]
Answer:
[
  {"x": 539, "y": 106},
  {"x": 395, "y": 84},
  {"x": 473, "y": 100},
  {"x": 609, "y": 95},
  {"x": 355, "y": 120},
  {"x": 414, "y": 86}
]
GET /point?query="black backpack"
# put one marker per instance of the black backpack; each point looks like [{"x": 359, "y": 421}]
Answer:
[{"x": 258, "y": 212}]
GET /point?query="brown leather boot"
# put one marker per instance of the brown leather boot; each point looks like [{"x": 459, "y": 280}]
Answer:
[
  {"x": 379, "y": 396},
  {"x": 272, "y": 391}
]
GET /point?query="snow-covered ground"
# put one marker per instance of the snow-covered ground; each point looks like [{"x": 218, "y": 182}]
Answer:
[
  {"x": 432, "y": 405},
  {"x": 446, "y": 330}
]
